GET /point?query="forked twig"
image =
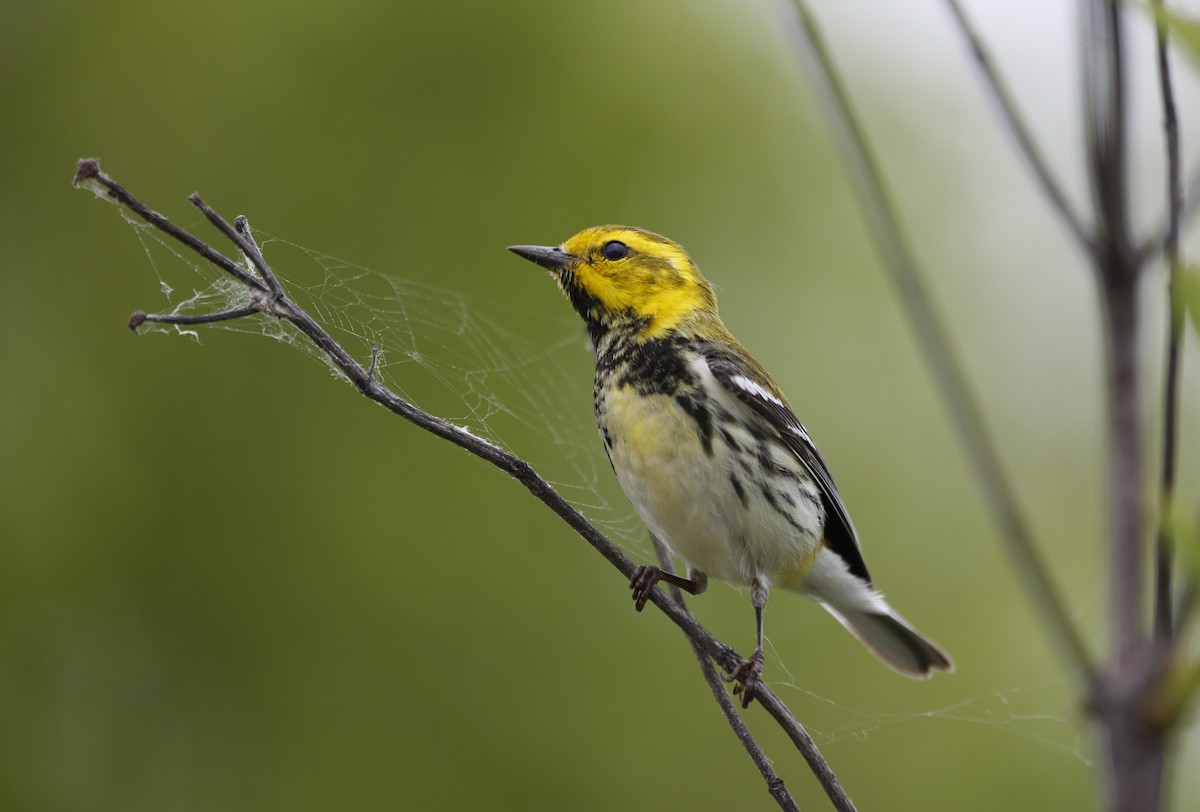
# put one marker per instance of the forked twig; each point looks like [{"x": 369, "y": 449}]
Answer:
[{"x": 268, "y": 297}]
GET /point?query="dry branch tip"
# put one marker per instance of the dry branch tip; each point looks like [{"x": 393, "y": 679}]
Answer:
[{"x": 85, "y": 169}]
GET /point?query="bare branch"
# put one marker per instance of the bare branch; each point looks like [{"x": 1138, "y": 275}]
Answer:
[
  {"x": 88, "y": 175},
  {"x": 1135, "y": 673},
  {"x": 775, "y": 784},
  {"x": 945, "y": 367},
  {"x": 1104, "y": 129},
  {"x": 1013, "y": 119},
  {"x": 248, "y": 248},
  {"x": 255, "y": 257},
  {"x": 1191, "y": 202},
  {"x": 362, "y": 379},
  {"x": 1163, "y": 565},
  {"x": 139, "y": 317},
  {"x": 1116, "y": 272}
]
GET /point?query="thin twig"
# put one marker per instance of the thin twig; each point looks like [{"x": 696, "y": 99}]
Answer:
[
  {"x": 248, "y": 247},
  {"x": 1116, "y": 273},
  {"x": 1135, "y": 742},
  {"x": 775, "y": 784},
  {"x": 1164, "y": 548},
  {"x": 1013, "y": 119},
  {"x": 1157, "y": 242},
  {"x": 88, "y": 174},
  {"x": 514, "y": 466},
  {"x": 1104, "y": 129},
  {"x": 139, "y": 318},
  {"x": 242, "y": 226},
  {"x": 934, "y": 342}
]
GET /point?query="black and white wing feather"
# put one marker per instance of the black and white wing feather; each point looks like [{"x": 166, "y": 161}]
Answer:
[{"x": 840, "y": 536}]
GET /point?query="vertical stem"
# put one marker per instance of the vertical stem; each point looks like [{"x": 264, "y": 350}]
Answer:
[
  {"x": 1116, "y": 270},
  {"x": 1125, "y": 487},
  {"x": 1136, "y": 745},
  {"x": 1104, "y": 127},
  {"x": 1163, "y": 620}
]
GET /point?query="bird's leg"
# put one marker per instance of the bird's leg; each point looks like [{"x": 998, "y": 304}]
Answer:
[
  {"x": 645, "y": 577},
  {"x": 748, "y": 674}
]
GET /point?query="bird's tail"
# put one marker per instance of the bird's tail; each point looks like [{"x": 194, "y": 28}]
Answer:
[{"x": 891, "y": 639}]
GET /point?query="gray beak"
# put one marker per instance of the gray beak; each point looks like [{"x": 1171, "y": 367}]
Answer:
[{"x": 552, "y": 258}]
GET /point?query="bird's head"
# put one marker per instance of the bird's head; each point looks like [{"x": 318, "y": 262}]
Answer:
[{"x": 619, "y": 277}]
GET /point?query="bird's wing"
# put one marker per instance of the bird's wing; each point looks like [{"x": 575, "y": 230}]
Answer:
[{"x": 840, "y": 536}]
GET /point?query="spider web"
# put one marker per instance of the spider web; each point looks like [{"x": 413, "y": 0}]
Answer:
[
  {"x": 1041, "y": 711},
  {"x": 469, "y": 360}
]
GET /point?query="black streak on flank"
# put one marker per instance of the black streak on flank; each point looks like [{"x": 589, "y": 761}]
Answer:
[
  {"x": 729, "y": 440},
  {"x": 771, "y": 496},
  {"x": 739, "y": 490},
  {"x": 770, "y": 467},
  {"x": 693, "y": 404}
]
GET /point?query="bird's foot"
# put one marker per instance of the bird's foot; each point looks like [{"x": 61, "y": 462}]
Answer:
[
  {"x": 748, "y": 676},
  {"x": 642, "y": 583}
]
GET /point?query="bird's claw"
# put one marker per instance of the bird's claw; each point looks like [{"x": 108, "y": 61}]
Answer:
[
  {"x": 642, "y": 583},
  {"x": 748, "y": 676}
]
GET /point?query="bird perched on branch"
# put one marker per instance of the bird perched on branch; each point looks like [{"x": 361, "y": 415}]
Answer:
[{"x": 707, "y": 449}]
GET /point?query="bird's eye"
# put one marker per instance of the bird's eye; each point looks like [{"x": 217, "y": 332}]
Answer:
[{"x": 614, "y": 249}]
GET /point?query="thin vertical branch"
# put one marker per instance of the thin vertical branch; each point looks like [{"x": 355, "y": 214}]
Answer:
[
  {"x": 1164, "y": 549},
  {"x": 1012, "y": 118},
  {"x": 1104, "y": 129},
  {"x": 1117, "y": 273},
  {"x": 1136, "y": 743},
  {"x": 934, "y": 342},
  {"x": 716, "y": 685},
  {"x": 1157, "y": 241}
]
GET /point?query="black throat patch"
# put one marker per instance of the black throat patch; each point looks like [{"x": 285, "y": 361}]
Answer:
[{"x": 659, "y": 367}]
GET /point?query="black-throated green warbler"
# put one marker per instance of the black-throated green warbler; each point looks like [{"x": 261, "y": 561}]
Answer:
[{"x": 707, "y": 449}]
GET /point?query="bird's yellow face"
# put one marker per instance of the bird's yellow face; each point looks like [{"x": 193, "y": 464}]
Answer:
[{"x": 619, "y": 275}]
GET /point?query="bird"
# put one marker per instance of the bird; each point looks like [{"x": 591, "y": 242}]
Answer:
[{"x": 708, "y": 451}]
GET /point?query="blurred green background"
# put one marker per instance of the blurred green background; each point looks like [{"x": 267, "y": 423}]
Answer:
[{"x": 228, "y": 582}]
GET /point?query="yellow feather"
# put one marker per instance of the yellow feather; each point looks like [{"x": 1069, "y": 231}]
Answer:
[{"x": 659, "y": 283}]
